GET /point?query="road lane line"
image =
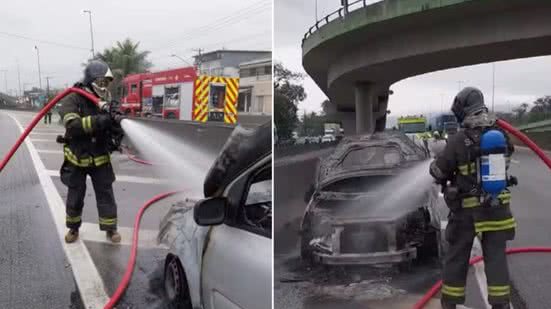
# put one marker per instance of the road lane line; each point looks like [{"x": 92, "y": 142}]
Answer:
[
  {"x": 89, "y": 282},
  {"x": 123, "y": 178},
  {"x": 46, "y": 133},
  {"x": 91, "y": 232},
  {"x": 42, "y": 140}
]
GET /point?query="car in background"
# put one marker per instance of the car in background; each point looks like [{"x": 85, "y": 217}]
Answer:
[
  {"x": 356, "y": 214},
  {"x": 220, "y": 247},
  {"x": 328, "y": 138}
]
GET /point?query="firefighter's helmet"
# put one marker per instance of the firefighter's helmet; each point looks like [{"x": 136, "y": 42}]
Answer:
[
  {"x": 469, "y": 101},
  {"x": 98, "y": 76}
]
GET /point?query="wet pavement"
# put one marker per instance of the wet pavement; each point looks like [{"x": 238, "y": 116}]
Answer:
[{"x": 34, "y": 268}]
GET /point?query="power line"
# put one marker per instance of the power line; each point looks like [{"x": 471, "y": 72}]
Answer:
[
  {"x": 23, "y": 37},
  {"x": 235, "y": 17}
]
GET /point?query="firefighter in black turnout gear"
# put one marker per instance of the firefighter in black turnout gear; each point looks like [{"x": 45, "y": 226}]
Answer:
[
  {"x": 472, "y": 212},
  {"x": 88, "y": 141}
]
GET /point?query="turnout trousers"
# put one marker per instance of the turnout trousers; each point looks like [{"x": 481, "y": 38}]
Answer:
[
  {"x": 460, "y": 234},
  {"x": 74, "y": 178}
]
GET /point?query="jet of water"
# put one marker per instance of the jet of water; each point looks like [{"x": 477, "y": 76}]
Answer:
[{"x": 182, "y": 163}]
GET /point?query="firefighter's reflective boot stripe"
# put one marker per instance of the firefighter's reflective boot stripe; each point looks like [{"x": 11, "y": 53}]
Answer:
[{"x": 108, "y": 224}]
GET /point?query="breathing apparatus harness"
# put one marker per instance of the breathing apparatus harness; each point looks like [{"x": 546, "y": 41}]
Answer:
[{"x": 488, "y": 150}]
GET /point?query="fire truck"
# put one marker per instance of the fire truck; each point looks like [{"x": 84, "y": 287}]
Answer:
[{"x": 181, "y": 94}]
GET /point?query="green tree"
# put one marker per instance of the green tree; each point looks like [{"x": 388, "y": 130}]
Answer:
[
  {"x": 124, "y": 58},
  {"x": 288, "y": 93}
]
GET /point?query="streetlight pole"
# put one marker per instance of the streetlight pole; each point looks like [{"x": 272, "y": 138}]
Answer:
[
  {"x": 5, "y": 79},
  {"x": 91, "y": 31},
  {"x": 18, "y": 76},
  {"x": 493, "y": 84},
  {"x": 39, "y": 72},
  {"x": 183, "y": 60}
]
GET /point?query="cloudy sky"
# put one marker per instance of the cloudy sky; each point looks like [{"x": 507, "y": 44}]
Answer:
[
  {"x": 164, "y": 27},
  {"x": 516, "y": 81}
]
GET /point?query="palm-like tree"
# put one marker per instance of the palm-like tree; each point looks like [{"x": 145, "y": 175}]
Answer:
[{"x": 124, "y": 58}]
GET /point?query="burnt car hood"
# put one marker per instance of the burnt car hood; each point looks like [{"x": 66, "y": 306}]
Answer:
[{"x": 400, "y": 150}]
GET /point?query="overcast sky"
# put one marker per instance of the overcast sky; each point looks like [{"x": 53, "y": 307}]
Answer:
[
  {"x": 163, "y": 27},
  {"x": 516, "y": 81}
]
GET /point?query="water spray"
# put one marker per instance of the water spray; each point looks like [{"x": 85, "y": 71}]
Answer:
[{"x": 526, "y": 140}]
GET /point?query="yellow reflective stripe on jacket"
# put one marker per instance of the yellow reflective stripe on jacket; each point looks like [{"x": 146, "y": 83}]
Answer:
[
  {"x": 85, "y": 162},
  {"x": 453, "y": 291},
  {"x": 87, "y": 124},
  {"x": 493, "y": 226},
  {"x": 69, "y": 116},
  {"x": 504, "y": 197},
  {"x": 107, "y": 221},
  {"x": 70, "y": 219},
  {"x": 464, "y": 169},
  {"x": 471, "y": 202},
  {"x": 497, "y": 290}
]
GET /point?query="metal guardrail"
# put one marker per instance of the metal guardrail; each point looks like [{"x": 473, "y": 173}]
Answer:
[{"x": 334, "y": 15}]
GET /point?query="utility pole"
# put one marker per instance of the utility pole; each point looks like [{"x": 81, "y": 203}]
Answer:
[
  {"x": 5, "y": 80},
  {"x": 18, "y": 76},
  {"x": 91, "y": 31},
  {"x": 493, "y": 84},
  {"x": 39, "y": 72},
  {"x": 198, "y": 57},
  {"x": 48, "y": 86}
]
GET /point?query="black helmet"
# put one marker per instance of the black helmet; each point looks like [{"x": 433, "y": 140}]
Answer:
[
  {"x": 469, "y": 101},
  {"x": 96, "y": 69}
]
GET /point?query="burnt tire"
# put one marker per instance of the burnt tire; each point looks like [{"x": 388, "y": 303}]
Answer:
[
  {"x": 306, "y": 252},
  {"x": 176, "y": 286}
]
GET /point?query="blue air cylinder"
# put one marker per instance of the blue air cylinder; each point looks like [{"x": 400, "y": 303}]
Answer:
[{"x": 493, "y": 171}]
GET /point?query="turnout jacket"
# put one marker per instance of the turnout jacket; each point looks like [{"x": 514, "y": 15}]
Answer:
[
  {"x": 85, "y": 144},
  {"x": 458, "y": 165}
]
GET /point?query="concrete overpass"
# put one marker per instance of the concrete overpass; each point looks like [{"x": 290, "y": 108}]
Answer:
[{"x": 356, "y": 54}]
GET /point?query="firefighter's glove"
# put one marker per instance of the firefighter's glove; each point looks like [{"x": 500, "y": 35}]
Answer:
[
  {"x": 451, "y": 196},
  {"x": 512, "y": 181},
  {"x": 117, "y": 118},
  {"x": 103, "y": 122}
]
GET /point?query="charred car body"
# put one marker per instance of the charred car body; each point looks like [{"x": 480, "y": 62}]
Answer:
[
  {"x": 349, "y": 221},
  {"x": 220, "y": 247}
]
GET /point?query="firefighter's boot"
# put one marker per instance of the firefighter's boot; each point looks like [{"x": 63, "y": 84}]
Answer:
[
  {"x": 71, "y": 236},
  {"x": 446, "y": 305},
  {"x": 501, "y": 306},
  {"x": 113, "y": 236}
]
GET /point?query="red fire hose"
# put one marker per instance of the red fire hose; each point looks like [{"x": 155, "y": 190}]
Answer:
[
  {"x": 132, "y": 260},
  {"x": 39, "y": 116},
  {"x": 507, "y": 127}
]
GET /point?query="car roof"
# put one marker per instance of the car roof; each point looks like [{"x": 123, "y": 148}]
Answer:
[
  {"x": 332, "y": 167},
  {"x": 244, "y": 148}
]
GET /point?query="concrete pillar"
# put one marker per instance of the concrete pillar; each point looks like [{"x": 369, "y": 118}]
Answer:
[
  {"x": 380, "y": 112},
  {"x": 365, "y": 98}
]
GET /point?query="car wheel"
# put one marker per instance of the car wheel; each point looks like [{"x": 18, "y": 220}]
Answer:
[
  {"x": 176, "y": 286},
  {"x": 306, "y": 252}
]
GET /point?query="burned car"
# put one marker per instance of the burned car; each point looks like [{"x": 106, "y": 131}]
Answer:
[
  {"x": 220, "y": 247},
  {"x": 370, "y": 205}
]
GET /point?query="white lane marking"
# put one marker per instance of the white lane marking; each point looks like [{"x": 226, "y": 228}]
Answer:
[
  {"x": 515, "y": 161},
  {"x": 46, "y": 133},
  {"x": 90, "y": 284},
  {"x": 51, "y": 140},
  {"x": 123, "y": 178},
  {"x": 91, "y": 232}
]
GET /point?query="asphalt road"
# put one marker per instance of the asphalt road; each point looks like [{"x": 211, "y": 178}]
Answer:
[
  {"x": 37, "y": 270},
  {"x": 297, "y": 286}
]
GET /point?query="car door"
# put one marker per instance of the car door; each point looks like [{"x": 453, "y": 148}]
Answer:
[{"x": 237, "y": 264}]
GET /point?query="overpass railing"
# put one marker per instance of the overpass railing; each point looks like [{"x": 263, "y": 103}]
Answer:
[{"x": 352, "y": 6}]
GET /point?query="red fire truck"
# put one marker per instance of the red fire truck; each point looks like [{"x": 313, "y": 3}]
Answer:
[
  {"x": 166, "y": 94},
  {"x": 181, "y": 94}
]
